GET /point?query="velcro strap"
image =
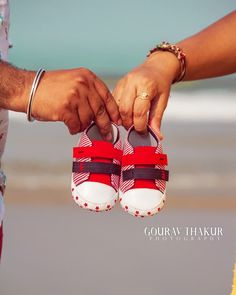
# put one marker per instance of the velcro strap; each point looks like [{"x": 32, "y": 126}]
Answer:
[
  {"x": 145, "y": 173},
  {"x": 94, "y": 152},
  {"x": 144, "y": 159},
  {"x": 96, "y": 167}
]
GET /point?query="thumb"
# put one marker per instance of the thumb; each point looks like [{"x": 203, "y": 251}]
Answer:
[{"x": 73, "y": 124}]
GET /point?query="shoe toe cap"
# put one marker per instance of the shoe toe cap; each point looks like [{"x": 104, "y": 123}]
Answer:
[
  {"x": 94, "y": 195},
  {"x": 142, "y": 201}
]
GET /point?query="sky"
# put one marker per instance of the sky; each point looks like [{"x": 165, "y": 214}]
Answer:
[{"x": 107, "y": 36}]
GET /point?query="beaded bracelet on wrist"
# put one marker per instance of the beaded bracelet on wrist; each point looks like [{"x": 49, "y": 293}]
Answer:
[{"x": 178, "y": 52}]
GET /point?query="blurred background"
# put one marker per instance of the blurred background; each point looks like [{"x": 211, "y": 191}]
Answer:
[{"x": 53, "y": 247}]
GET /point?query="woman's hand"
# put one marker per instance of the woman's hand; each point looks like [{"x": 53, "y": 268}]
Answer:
[{"x": 142, "y": 94}]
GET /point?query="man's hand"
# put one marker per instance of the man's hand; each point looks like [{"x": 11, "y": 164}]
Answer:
[
  {"x": 154, "y": 78},
  {"x": 75, "y": 97}
]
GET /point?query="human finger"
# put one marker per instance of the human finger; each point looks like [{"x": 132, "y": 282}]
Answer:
[
  {"x": 101, "y": 117},
  {"x": 126, "y": 105},
  {"x": 73, "y": 123},
  {"x": 142, "y": 105},
  {"x": 85, "y": 113},
  {"x": 109, "y": 101},
  {"x": 118, "y": 90},
  {"x": 156, "y": 113}
]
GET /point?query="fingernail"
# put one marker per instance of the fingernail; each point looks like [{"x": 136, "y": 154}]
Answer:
[
  {"x": 109, "y": 136},
  {"x": 119, "y": 122},
  {"x": 143, "y": 132}
]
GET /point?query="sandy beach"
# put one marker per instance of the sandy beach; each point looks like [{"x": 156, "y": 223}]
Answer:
[{"x": 65, "y": 250}]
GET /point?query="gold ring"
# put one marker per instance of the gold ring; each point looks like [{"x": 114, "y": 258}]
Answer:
[{"x": 143, "y": 96}]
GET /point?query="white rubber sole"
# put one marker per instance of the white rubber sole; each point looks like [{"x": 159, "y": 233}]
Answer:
[
  {"x": 92, "y": 205},
  {"x": 138, "y": 211}
]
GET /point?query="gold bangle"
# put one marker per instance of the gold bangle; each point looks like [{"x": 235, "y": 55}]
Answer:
[{"x": 178, "y": 52}]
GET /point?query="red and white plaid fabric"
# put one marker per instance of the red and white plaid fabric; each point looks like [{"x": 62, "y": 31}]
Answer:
[
  {"x": 126, "y": 185},
  {"x": 128, "y": 149},
  {"x": 79, "y": 178}
]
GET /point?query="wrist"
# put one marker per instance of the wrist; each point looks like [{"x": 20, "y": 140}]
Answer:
[
  {"x": 17, "y": 93},
  {"x": 21, "y": 101},
  {"x": 166, "y": 62},
  {"x": 15, "y": 87}
]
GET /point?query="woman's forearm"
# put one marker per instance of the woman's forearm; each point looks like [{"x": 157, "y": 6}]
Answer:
[{"x": 211, "y": 52}]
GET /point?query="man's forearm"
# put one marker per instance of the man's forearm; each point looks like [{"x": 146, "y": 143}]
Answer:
[
  {"x": 13, "y": 87},
  {"x": 211, "y": 52}
]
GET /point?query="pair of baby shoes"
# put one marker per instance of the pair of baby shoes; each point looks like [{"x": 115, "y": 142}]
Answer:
[{"x": 104, "y": 172}]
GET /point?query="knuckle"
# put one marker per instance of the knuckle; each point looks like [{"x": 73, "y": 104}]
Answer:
[
  {"x": 147, "y": 80},
  {"x": 73, "y": 97},
  {"x": 66, "y": 103},
  {"x": 107, "y": 97},
  {"x": 84, "y": 70},
  {"x": 87, "y": 73},
  {"x": 136, "y": 76},
  {"x": 80, "y": 79},
  {"x": 120, "y": 84},
  {"x": 139, "y": 113},
  {"x": 73, "y": 93},
  {"x": 124, "y": 112},
  {"x": 130, "y": 76},
  {"x": 100, "y": 111}
]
